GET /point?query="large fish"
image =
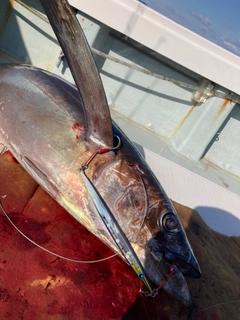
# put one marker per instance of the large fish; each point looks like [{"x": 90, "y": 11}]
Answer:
[{"x": 56, "y": 131}]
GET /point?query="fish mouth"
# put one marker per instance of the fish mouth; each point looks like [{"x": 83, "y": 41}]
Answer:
[
  {"x": 187, "y": 265},
  {"x": 161, "y": 256},
  {"x": 177, "y": 287},
  {"x": 168, "y": 277}
]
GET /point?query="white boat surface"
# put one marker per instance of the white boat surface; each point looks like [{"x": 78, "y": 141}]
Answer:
[{"x": 153, "y": 70}]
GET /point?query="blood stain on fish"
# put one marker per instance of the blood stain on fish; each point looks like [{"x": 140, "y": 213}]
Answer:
[{"x": 79, "y": 130}]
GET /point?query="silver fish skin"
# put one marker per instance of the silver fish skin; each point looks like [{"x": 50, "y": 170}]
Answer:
[
  {"x": 43, "y": 125},
  {"x": 53, "y": 129}
]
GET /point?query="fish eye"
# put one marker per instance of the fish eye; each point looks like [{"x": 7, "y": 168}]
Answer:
[{"x": 170, "y": 223}]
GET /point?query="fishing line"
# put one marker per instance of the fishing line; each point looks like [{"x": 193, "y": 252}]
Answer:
[
  {"x": 144, "y": 307},
  {"x": 165, "y": 279},
  {"x": 221, "y": 304},
  {"x": 48, "y": 251}
]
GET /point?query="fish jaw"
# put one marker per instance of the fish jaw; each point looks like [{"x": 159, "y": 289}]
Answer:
[
  {"x": 174, "y": 283},
  {"x": 163, "y": 275},
  {"x": 177, "y": 287}
]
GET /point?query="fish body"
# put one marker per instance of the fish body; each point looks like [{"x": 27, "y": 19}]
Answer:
[{"x": 52, "y": 129}]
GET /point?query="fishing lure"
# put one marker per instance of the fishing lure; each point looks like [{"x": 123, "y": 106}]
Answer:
[{"x": 111, "y": 223}]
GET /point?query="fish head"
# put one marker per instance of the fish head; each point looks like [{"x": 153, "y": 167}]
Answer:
[
  {"x": 149, "y": 220},
  {"x": 169, "y": 246}
]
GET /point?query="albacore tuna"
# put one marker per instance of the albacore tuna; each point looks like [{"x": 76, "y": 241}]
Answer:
[{"x": 66, "y": 140}]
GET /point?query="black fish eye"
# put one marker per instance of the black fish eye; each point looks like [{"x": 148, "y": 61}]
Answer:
[{"x": 170, "y": 223}]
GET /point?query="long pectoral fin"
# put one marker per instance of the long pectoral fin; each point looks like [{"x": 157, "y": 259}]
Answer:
[{"x": 81, "y": 63}]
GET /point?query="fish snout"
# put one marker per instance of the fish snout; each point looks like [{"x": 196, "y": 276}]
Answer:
[
  {"x": 185, "y": 260},
  {"x": 166, "y": 275},
  {"x": 168, "y": 247}
]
